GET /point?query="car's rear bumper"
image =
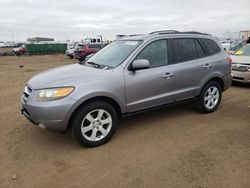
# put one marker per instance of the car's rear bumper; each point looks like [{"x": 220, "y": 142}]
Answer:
[
  {"x": 240, "y": 76},
  {"x": 227, "y": 82}
]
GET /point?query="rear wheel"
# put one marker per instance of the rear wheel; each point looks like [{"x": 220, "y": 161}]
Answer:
[
  {"x": 210, "y": 97},
  {"x": 94, "y": 124}
]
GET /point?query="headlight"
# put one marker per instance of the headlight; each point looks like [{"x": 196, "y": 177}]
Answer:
[{"x": 53, "y": 93}]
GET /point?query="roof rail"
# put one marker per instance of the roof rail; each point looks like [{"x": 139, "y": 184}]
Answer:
[
  {"x": 177, "y": 32},
  {"x": 194, "y": 32},
  {"x": 134, "y": 35},
  {"x": 164, "y": 32}
]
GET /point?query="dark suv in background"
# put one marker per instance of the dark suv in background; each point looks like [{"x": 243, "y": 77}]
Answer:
[
  {"x": 128, "y": 76},
  {"x": 86, "y": 50}
]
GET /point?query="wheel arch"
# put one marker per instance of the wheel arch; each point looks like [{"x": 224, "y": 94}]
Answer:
[
  {"x": 217, "y": 79},
  {"x": 109, "y": 100}
]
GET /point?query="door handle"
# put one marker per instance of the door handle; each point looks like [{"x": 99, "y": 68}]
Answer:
[
  {"x": 207, "y": 66},
  {"x": 168, "y": 75}
]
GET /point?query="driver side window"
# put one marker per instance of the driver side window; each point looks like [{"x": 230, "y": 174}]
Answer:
[{"x": 155, "y": 53}]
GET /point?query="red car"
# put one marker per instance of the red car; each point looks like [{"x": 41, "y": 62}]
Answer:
[
  {"x": 87, "y": 49},
  {"x": 20, "y": 50}
]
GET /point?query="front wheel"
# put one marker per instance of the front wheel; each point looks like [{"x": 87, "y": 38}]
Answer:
[
  {"x": 210, "y": 97},
  {"x": 94, "y": 124}
]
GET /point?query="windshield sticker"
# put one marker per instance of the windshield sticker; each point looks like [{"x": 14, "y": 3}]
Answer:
[{"x": 133, "y": 43}]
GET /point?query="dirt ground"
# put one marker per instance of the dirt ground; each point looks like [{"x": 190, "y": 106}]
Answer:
[{"x": 173, "y": 147}]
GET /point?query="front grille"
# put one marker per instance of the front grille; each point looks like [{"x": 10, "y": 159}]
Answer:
[
  {"x": 241, "y": 68},
  {"x": 26, "y": 93}
]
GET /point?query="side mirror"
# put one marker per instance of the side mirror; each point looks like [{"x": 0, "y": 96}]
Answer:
[{"x": 139, "y": 64}]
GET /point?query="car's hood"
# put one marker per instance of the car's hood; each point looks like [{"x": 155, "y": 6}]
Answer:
[
  {"x": 67, "y": 76},
  {"x": 241, "y": 59}
]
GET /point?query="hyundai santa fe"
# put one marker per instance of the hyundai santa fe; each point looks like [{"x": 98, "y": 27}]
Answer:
[{"x": 128, "y": 76}]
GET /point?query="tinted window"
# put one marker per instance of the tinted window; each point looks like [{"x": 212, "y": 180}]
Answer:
[
  {"x": 155, "y": 53},
  {"x": 211, "y": 46},
  {"x": 98, "y": 46},
  {"x": 187, "y": 49},
  {"x": 200, "y": 51}
]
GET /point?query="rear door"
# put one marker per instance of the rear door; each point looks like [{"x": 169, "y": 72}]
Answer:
[
  {"x": 191, "y": 68},
  {"x": 152, "y": 86}
]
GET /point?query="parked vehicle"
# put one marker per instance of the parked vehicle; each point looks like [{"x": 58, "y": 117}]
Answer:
[
  {"x": 19, "y": 50},
  {"x": 2, "y": 44},
  {"x": 241, "y": 64},
  {"x": 129, "y": 76},
  {"x": 226, "y": 45},
  {"x": 235, "y": 47},
  {"x": 70, "y": 51},
  {"x": 87, "y": 49},
  {"x": 93, "y": 40}
]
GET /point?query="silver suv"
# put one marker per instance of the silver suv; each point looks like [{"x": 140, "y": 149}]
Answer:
[{"x": 130, "y": 75}]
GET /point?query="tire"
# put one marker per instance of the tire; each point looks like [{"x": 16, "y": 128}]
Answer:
[
  {"x": 210, "y": 97},
  {"x": 91, "y": 130}
]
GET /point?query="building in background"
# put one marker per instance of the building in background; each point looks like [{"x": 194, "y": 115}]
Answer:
[{"x": 39, "y": 39}]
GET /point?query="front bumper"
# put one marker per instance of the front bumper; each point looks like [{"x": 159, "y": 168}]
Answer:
[
  {"x": 50, "y": 115},
  {"x": 70, "y": 54},
  {"x": 239, "y": 76}
]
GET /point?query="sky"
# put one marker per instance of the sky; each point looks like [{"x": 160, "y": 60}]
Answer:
[{"x": 76, "y": 19}]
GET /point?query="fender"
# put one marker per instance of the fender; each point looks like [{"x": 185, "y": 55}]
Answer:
[{"x": 90, "y": 96}]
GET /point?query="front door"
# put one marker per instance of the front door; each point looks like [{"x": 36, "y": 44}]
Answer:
[{"x": 152, "y": 86}]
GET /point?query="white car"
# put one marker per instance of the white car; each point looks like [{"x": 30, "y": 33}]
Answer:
[
  {"x": 70, "y": 51},
  {"x": 241, "y": 65},
  {"x": 226, "y": 45}
]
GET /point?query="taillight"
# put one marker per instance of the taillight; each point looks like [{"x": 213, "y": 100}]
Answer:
[{"x": 229, "y": 59}]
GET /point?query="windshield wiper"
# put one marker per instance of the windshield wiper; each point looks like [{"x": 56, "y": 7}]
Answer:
[{"x": 92, "y": 63}]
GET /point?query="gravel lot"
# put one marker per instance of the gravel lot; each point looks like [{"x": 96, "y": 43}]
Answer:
[{"x": 173, "y": 147}]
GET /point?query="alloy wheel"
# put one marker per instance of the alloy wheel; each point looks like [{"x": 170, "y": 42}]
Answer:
[
  {"x": 211, "y": 97},
  {"x": 96, "y": 125}
]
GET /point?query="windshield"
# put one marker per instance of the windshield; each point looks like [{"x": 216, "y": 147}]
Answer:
[
  {"x": 115, "y": 53},
  {"x": 245, "y": 50}
]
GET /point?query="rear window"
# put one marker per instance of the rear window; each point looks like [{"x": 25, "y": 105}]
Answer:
[
  {"x": 187, "y": 49},
  {"x": 211, "y": 46}
]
